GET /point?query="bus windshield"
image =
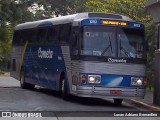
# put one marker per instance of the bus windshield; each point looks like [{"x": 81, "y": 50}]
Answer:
[{"x": 112, "y": 42}]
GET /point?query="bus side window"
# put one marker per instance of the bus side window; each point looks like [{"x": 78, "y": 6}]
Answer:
[
  {"x": 64, "y": 35},
  {"x": 75, "y": 44},
  {"x": 15, "y": 38},
  {"x": 19, "y": 38},
  {"x": 52, "y": 35},
  {"x": 41, "y": 36},
  {"x": 32, "y": 36},
  {"x": 75, "y": 41},
  {"x": 23, "y": 37}
]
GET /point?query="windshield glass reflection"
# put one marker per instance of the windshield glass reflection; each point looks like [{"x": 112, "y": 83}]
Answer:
[{"x": 112, "y": 42}]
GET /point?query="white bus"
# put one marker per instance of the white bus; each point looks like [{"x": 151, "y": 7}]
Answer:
[{"x": 85, "y": 54}]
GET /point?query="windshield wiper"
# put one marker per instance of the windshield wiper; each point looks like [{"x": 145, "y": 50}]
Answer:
[
  {"x": 125, "y": 51},
  {"x": 109, "y": 46}
]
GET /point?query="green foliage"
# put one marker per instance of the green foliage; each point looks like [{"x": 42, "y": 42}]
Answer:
[
  {"x": 79, "y": 7},
  {"x": 52, "y": 8},
  {"x": 131, "y": 8},
  {"x": 5, "y": 41},
  {"x": 14, "y": 12}
]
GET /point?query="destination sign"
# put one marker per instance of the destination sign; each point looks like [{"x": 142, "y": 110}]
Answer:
[
  {"x": 112, "y": 22},
  {"x": 107, "y": 22}
]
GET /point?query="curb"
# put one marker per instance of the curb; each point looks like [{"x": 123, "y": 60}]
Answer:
[{"x": 144, "y": 105}]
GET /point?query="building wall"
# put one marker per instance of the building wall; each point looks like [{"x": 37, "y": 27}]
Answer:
[{"x": 153, "y": 6}]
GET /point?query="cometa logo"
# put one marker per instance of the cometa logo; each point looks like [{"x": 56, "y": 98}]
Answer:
[
  {"x": 117, "y": 60},
  {"x": 47, "y": 54}
]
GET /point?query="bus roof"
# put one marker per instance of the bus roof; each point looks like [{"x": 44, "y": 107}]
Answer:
[{"x": 74, "y": 19}]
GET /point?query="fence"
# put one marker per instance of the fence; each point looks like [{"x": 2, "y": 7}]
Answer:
[{"x": 5, "y": 65}]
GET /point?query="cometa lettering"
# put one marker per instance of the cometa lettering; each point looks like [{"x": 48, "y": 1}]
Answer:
[
  {"x": 117, "y": 60},
  {"x": 47, "y": 54}
]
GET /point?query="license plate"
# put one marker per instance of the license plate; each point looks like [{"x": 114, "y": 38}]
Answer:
[{"x": 115, "y": 91}]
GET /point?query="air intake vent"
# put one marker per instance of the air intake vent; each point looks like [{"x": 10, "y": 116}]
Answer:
[{"x": 103, "y": 15}]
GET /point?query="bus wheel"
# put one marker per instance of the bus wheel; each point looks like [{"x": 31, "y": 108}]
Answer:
[
  {"x": 118, "y": 102},
  {"x": 23, "y": 84},
  {"x": 64, "y": 89}
]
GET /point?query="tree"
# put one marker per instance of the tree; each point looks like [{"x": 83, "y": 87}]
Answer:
[
  {"x": 5, "y": 41},
  {"x": 12, "y": 13},
  {"x": 79, "y": 6},
  {"x": 52, "y": 8},
  {"x": 134, "y": 9}
]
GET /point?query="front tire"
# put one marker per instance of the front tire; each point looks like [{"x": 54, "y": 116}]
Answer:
[
  {"x": 23, "y": 84},
  {"x": 64, "y": 89}
]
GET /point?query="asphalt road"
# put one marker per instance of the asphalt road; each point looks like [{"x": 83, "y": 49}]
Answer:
[{"x": 13, "y": 98}]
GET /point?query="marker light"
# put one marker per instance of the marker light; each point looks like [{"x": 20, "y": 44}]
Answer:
[{"x": 83, "y": 78}]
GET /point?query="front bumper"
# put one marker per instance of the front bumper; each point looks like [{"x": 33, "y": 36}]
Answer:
[{"x": 105, "y": 92}]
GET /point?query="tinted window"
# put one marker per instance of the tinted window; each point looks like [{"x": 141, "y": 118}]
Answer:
[
  {"x": 20, "y": 37},
  {"x": 99, "y": 41},
  {"x": 24, "y": 37},
  {"x": 17, "y": 39},
  {"x": 52, "y": 35},
  {"x": 31, "y": 35},
  {"x": 41, "y": 36},
  {"x": 75, "y": 38},
  {"x": 64, "y": 33},
  {"x": 130, "y": 42}
]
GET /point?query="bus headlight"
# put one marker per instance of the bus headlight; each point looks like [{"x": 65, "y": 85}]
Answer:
[
  {"x": 91, "y": 79},
  {"x": 136, "y": 81},
  {"x": 94, "y": 79},
  {"x": 139, "y": 82}
]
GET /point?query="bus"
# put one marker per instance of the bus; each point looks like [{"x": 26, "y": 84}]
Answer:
[{"x": 91, "y": 54}]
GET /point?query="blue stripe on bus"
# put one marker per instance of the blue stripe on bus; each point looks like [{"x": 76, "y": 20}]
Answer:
[
  {"x": 45, "y": 24},
  {"x": 43, "y": 70},
  {"x": 110, "y": 80}
]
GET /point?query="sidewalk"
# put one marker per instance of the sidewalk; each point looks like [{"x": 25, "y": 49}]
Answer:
[
  {"x": 146, "y": 103},
  {"x": 6, "y": 81},
  {"x": 5, "y": 74}
]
